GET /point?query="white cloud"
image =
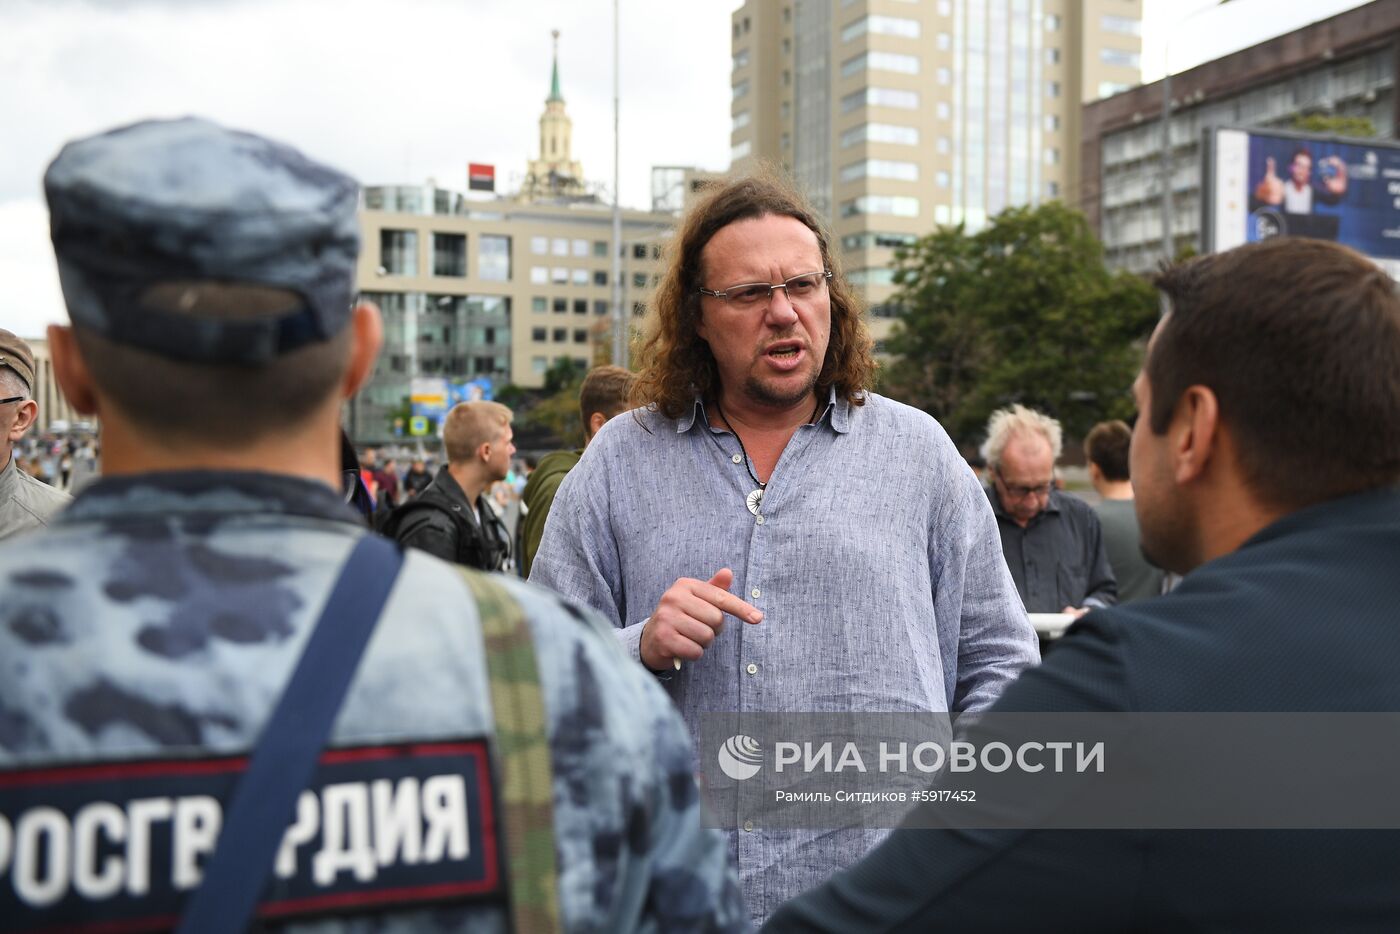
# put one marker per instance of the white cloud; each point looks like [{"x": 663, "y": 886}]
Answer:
[
  {"x": 27, "y": 269},
  {"x": 388, "y": 91}
]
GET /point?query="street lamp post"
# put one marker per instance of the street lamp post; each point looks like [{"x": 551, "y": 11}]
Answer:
[{"x": 619, "y": 341}]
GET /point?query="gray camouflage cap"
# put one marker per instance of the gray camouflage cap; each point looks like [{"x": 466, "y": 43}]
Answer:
[{"x": 170, "y": 201}]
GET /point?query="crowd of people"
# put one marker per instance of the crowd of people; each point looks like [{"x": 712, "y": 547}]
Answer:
[{"x": 224, "y": 700}]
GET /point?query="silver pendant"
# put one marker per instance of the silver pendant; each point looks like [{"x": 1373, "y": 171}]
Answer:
[{"x": 754, "y": 501}]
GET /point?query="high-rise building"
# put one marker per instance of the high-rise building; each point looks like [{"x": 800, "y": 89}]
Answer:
[
  {"x": 1347, "y": 65},
  {"x": 497, "y": 287},
  {"x": 896, "y": 116}
]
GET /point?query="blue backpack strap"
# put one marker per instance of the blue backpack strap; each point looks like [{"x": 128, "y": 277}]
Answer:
[{"x": 285, "y": 758}]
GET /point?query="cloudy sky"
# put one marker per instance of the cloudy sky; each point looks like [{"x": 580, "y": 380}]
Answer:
[{"x": 406, "y": 90}]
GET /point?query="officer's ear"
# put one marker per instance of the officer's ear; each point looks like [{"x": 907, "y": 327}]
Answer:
[
  {"x": 366, "y": 339},
  {"x": 70, "y": 370}
]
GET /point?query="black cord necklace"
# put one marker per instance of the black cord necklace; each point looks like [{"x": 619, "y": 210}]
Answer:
[{"x": 755, "y": 499}]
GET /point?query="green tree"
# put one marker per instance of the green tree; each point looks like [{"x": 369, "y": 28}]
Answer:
[
  {"x": 1023, "y": 311},
  {"x": 1332, "y": 125}
]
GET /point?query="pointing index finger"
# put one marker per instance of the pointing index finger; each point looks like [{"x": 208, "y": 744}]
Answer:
[{"x": 729, "y": 603}]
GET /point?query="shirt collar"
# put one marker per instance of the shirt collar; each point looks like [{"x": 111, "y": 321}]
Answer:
[
  {"x": 9, "y": 479},
  {"x": 207, "y": 493},
  {"x": 838, "y": 408}
]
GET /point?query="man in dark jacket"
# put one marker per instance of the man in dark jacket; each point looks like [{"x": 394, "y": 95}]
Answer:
[
  {"x": 453, "y": 518},
  {"x": 1265, "y": 462},
  {"x": 602, "y": 396}
]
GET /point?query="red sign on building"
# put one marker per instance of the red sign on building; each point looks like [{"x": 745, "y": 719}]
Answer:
[{"x": 481, "y": 177}]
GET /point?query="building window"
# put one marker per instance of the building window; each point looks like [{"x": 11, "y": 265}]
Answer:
[
  {"x": 580, "y": 306},
  {"x": 741, "y": 120},
  {"x": 785, "y": 110},
  {"x": 539, "y": 365},
  {"x": 787, "y": 77},
  {"x": 785, "y": 142},
  {"x": 600, "y": 277},
  {"x": 741, "y": 89},
  {"x": 539, "y": 335},
  {"x": 941, "y": 179},
  {"x": 561, "y": 335},
  {"x": 450, "y": 255},
  {"x": 881, "y": 133},
  {"x": 787, "y": 46},
  {"x": 600, "y": 308},
  {"x": 580, "y": 277},
  {"x": 1052, "y": 123},
  {"x": 881, "y": 168},
  {"x": 880, "y": 61},
  {"x": 1110, "y": 88},
  {"x": 580, "y": 335},
  {"x": 880, "y": 97},
  {"x": 638, "y": 309},
  {"x": 1052, "y": 56},
  {"x": 493, "y": 261},
  {"x": 1120, "y": 58},
  {"x": 944, "y": 76},
  {"x": 944, "y": 42},
  {"x": 896, "y": 206},
  {"x": 539, "y": 303},
  {"x": 868, "y": 240},
  {"x": 1052, "y": 88},
  {"x": 876, "y": 275},
  {"x": 580, "y": 248},
  {"x": 539, "y": 275},
  {"x": 945, "y": 7},
  {"x": 539, "y": 246},
  {"x": 741, "y": 58},
  {"x": 1052, "y": 189},
  {"x": 639, "y": 251},
  {"x": 881, "y": 26},
  {"x": 600, "y": 248},
  {"x": 559, "y": 275},
  {"x": 1052, "y": 22},
  {"x": 561, "y": 306},
  {"x": 559, "y": 246},
  {"x": 942, "y": 110},
  {"x": 639, "y": 280},
  {"x": 1052, "y": 156},
  {"x": 740, "y": 150},
  {"x": 1123, "y": 25},
  {"x": 398, "y": 252}
]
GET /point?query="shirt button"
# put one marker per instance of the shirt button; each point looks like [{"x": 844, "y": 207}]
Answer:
[
  {"x": 760, "y": 520},
  {"x": 752, "y": 669},
  {"x": 748, "y": 826},
  {"x": 738, "y": 458},
  {"x": 756, "y": 593}
]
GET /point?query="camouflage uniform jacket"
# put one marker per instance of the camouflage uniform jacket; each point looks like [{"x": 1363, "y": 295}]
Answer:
[{"x": 162, "y": 614}]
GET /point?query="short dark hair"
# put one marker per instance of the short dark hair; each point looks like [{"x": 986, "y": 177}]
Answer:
[
  {"x": 605, "y": 389},
  {"x": 1299, "y": 340},
  {"x": 1300, "y": 151},
  {"x": 224, "y": 404},
  {"x": 1106, "y": 446}
]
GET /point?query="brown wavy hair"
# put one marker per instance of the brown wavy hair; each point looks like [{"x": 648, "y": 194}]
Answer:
[{"x": 676, "y": 363}]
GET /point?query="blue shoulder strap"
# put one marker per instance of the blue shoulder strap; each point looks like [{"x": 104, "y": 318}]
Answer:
[{"x": 285, "y": 758}]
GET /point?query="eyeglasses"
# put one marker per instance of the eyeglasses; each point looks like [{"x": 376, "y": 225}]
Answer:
[
  {"x": 1022, "y": 492},
  {"x": 754, "y": 294},
  {"x": 12, "y": 399}
]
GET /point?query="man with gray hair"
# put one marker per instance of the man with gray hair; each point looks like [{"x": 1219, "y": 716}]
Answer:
[
  {"x": 25, "y": 503},
  {"x": 1053, "y": 543}
]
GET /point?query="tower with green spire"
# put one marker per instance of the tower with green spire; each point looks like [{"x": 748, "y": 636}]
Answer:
[{"x": 554, "y": 174}]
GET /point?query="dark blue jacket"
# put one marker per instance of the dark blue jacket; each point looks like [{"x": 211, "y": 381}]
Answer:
[{"x": 1305, "y": 616}]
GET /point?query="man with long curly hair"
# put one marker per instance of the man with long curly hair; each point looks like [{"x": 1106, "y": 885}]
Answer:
[{"x": 760, "y": 478}]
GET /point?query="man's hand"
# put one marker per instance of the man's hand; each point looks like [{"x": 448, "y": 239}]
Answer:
[
  {"x": 689, "y": 616},
  {"x": 1270, "y": 190},
  {"x": 1074, "y": 611}
]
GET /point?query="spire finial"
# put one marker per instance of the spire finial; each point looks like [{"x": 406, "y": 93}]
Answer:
[{"x": 554, "y": 94}]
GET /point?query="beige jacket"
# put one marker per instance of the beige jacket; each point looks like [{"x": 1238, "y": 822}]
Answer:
[{"x": 26, "y": 503}]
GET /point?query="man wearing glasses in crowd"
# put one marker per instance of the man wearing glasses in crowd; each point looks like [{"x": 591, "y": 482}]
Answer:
[
  {"x": 25, "y": 503},
  {"x": 1053, "y": 542},
  {"x": 762, "y": 480}
]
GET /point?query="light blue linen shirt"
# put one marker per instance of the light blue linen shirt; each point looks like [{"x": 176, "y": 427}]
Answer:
[{"x": 876, "y": 562}]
